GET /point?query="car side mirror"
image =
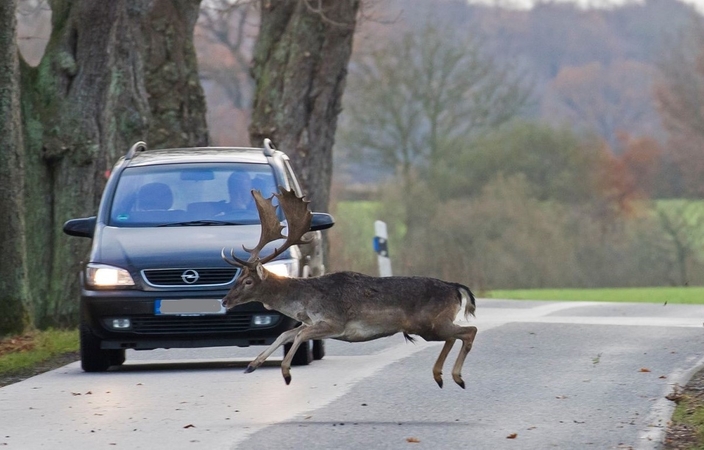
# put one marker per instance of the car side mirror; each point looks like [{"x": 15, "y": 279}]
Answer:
[
  {"x": 83, "y": 227},
  {"x": 321, "y": 221}
]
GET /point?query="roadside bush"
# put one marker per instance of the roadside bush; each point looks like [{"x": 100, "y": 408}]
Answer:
[{"x": 505, "y": 238}]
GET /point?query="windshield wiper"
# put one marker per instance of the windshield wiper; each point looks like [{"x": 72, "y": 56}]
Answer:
[{"x": 200, "y": 223}]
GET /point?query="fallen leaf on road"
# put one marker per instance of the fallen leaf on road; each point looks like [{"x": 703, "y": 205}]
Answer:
[
  {"x": 644, "y": 369},
  {"x": 561, "y": 397},
  {"x": 190, "y": 425},
  {"x": 413, "y": 440},
  {"x": 512, "y": 436}
]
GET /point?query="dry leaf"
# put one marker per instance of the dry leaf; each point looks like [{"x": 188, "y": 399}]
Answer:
[
  {"x": 512, "y": 436},
  {"x": 644, "y": 369},
  {"x": 413, "y": 440},
  {"x": 190, "y": 425}
]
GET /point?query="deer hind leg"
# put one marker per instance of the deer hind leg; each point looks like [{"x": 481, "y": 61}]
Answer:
[
  {"x": 437, "y": 368},
  {"x": 320, "y": 330},
  {"x": 284, "y": 338},
  {"x": 467, "y": 335}
]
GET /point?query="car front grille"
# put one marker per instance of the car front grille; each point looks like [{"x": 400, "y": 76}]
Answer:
[
  {"x": 220, "y": 276},
  {"x": 226, "y": 323}
]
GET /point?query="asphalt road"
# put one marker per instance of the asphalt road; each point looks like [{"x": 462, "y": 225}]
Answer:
[{"x": 541, "y": 375}]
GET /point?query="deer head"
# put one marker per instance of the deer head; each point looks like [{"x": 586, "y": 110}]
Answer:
[{"x": 298, "y": 218}]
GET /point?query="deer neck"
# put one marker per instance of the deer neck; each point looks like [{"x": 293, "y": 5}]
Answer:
[{"x": 285, "y": 295}]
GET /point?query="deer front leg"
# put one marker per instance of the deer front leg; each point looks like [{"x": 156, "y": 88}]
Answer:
[
  {"x": 437, "y": 368},
  {"x": 320, "y": 330},
  {"x": 284, "y": 338},
  {"x": 467, "y": 336}
]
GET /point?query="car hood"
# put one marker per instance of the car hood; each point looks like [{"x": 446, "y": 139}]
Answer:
[{"x": 173, "y": 247}]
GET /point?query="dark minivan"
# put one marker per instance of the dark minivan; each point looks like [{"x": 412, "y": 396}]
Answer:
[{"x": 155, "y": 276}]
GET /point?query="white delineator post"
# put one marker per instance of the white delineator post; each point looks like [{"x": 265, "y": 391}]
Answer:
[{"x": 381, "y": 247}]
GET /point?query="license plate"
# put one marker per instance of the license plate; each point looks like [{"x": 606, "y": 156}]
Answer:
[{"x": 189, "y": 307}]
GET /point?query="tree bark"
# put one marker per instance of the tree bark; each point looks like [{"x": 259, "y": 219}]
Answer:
[
  {"x": 13, "y": 293},
  {"x": 101, "y": 85},
  {"x": 300, "y": 65}
]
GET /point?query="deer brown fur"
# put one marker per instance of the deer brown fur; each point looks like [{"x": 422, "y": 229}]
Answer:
[{"x": 349, "y": 306}]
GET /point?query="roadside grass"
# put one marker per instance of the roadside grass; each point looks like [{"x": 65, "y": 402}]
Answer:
[
  {"x": 690, "y": 413},
  {"x": 686, "y": 429},
  {"x": 22, "y": 352},
  {"x": 693, "y": 295}
]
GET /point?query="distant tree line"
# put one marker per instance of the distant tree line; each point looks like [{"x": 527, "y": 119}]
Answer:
[{"x": 515, "y": 202}]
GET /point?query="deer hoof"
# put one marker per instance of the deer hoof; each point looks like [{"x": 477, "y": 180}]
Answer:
[
  {"x": 287, "y": 379},
  {"x": 460, "y": 382},
  {"x": 250, "y": 368}
]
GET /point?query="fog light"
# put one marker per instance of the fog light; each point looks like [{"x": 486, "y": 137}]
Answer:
[
  {"x": 121, "y": 324},
  {"x": 262, "y": 320}
]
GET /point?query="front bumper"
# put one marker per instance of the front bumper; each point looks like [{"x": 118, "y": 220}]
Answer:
[{"x": 149, "y": 331}]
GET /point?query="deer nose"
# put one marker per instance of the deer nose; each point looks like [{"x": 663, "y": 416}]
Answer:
[{"x": 224, "y": 302}]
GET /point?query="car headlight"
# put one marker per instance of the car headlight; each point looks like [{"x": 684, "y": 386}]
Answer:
[
  {"x": 283, "y": 267},
  {"x": 102, "y": 276}
]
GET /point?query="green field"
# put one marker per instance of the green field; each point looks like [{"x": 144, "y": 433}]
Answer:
[{"x": 684, "y": 295}]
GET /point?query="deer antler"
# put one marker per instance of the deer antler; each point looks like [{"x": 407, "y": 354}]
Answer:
[
  {"x": 271, "y": 227},
  {"x": 297, "y": 215},
  {"x": 298, "y": 218}
]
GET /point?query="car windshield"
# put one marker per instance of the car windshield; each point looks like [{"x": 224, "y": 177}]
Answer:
[{"x": 190, "y": 194}]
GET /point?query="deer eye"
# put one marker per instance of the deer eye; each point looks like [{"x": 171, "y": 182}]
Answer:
[{"x": 248, "y": 282}]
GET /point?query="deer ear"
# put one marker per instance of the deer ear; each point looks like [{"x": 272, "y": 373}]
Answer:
[{"x": 261, "y": 273}]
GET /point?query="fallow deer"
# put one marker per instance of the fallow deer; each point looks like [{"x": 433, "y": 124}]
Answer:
[{"x": 346, "y": 306}]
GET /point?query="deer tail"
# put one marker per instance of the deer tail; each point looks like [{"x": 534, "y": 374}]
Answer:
[{"x": 467, "y": 296}]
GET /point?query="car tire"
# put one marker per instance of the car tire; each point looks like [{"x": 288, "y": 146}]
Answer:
[
  {"x": 117, "y": 357},
  {"x": 318, "y": 349},
  {"x": 93, "y": 358},
  {"x": 304, "y": 354}
]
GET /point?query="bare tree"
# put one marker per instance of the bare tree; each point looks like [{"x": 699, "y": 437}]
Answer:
[
  {"x": 228, "y": 30},
  {"x": 112, "y": 73},
  {"x": 679, "y": 95},
  {"x": 608, "y": 99},
  {"x": 13, "y": 244},
  {"x": 411, "y": 100},
  {"x": 683, "y": 223},
  {"x": 300, "y": 66}
]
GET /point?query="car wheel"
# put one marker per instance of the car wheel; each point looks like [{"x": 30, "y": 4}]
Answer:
[
  {"x": 93, "y": 358},
  {"x": 318, "y": 349},
  {"x": 303, "y": 356}
]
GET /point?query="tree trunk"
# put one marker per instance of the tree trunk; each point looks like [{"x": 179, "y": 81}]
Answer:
[
  {"x": 13, "y": 293},
  {"x": 300, "y": 65},
  {"x": 99, "y": 88}
]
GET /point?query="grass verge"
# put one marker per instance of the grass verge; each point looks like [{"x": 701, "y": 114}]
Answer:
[
  {"x": 683, "y": 295},
  {"x": 20, "y": 353},
  {"x": 686, "y": 428}
]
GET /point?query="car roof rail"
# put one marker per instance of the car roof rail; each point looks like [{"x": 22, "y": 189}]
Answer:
[
  {"x": 269, "y": 148},
  {"x": 137, "y": 147}
]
